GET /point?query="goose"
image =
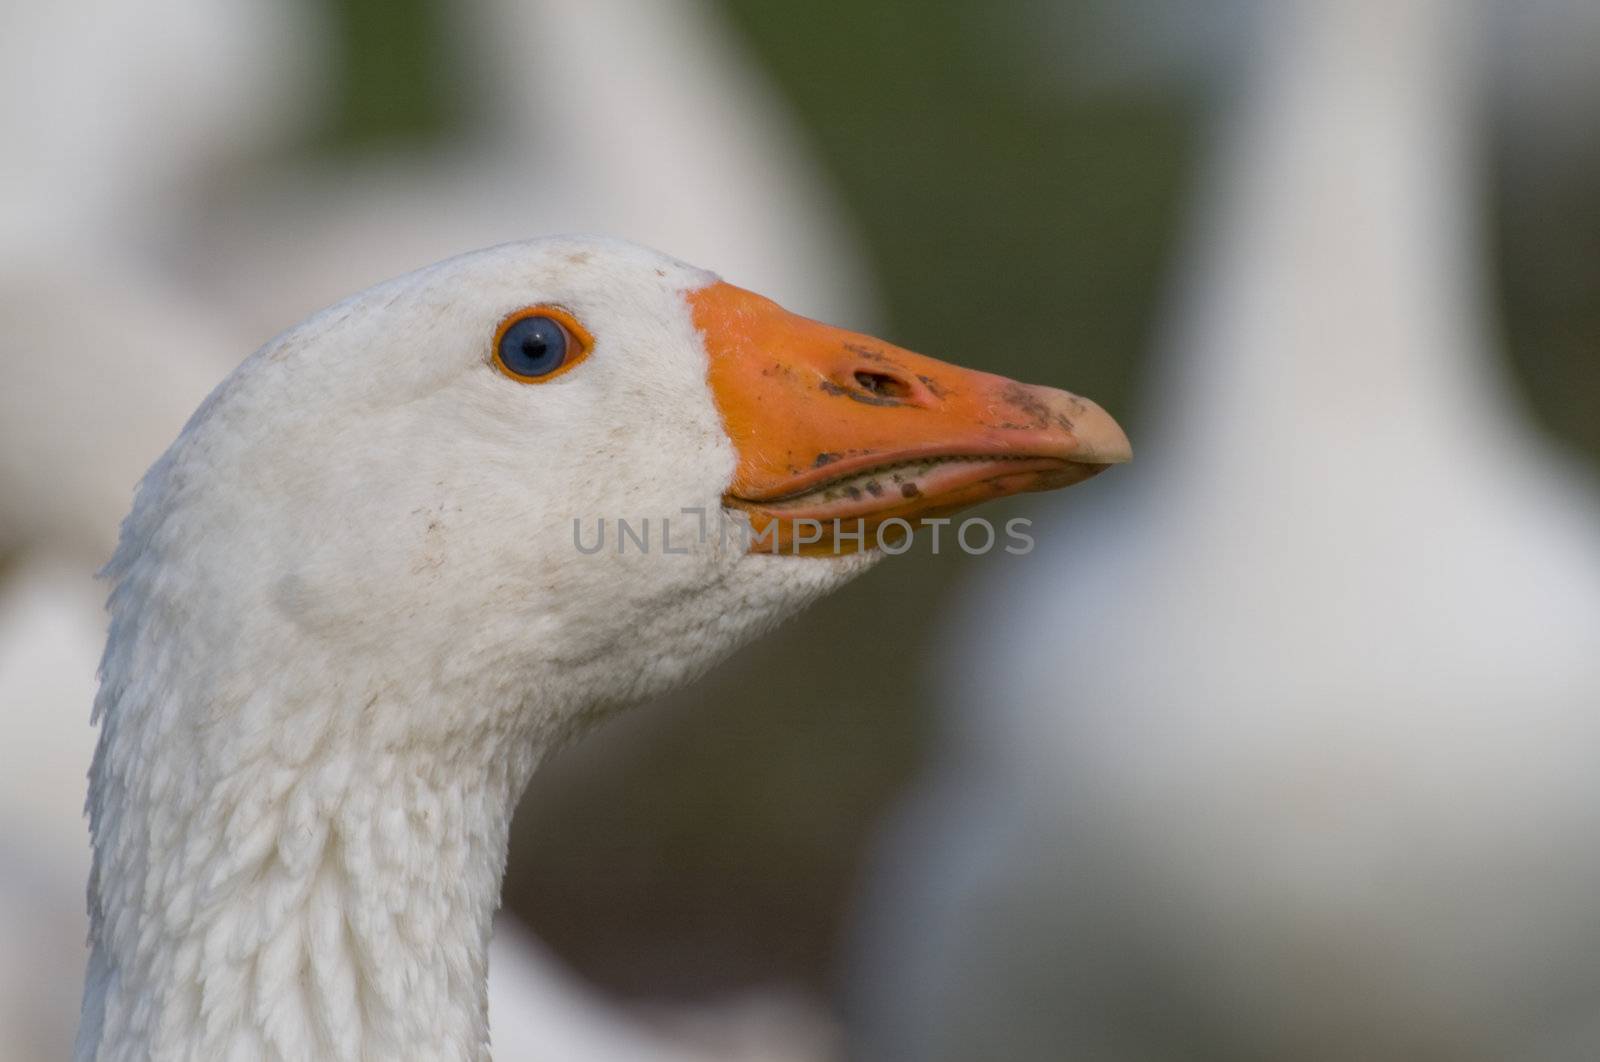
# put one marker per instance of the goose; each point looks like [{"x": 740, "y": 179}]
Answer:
[
  {"x": 116, "y": 213},
  {"x": 1288, "y": 755},
  {"x": 546, "y": 143},
  {"x": 356, "y": 602}
]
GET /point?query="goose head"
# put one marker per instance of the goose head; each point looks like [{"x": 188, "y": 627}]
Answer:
[
  {"x": 380, "y": 573},
  {"x": 573, "y": 466}
]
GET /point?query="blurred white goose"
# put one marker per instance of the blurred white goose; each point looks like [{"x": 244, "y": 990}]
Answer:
[
  {"x": 1290, "y": 755},
  {"x": 352, "y": 611},
  {"x": 103, "y": 356},
  {"x": 100, "y": 153},
  {"x": 606, "y": 116}
]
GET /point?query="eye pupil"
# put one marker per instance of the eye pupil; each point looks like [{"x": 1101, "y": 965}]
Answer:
[{"x": 534, "y": 346}]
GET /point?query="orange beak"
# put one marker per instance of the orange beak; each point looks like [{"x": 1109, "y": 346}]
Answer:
[{"x": 836, "y": 430}]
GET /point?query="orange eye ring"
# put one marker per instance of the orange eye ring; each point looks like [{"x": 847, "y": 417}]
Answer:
[{"x": 538, "y": 343}]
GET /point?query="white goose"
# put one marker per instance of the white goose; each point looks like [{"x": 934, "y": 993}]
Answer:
[
  {"x": 101, "y": 206},
  {"x": 608, "y": 116},
  {"x": 350, "y": 613},
  {"x": 1293, "y": 757}
]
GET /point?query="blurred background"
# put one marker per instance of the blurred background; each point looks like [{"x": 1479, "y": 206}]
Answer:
[{"x": 1277, "y": 746}]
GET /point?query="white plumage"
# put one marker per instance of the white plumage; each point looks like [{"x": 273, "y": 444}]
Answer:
[{"x": 348, "y": 619}]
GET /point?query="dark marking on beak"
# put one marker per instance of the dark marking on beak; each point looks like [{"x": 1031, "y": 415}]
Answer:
[
  {"x": 870, "y": 353},
  {"x": 1037, "y": 410},
  {"x": 1028, "y": 403}
]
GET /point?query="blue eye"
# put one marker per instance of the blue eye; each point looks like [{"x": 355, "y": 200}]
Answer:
[{"x": 533, "y": 346}]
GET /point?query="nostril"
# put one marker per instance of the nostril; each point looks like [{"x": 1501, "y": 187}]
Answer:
[{"x": 882, "y": 384}]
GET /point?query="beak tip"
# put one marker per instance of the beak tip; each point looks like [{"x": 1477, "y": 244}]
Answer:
[
  {"x": 1099, "y": 439},
  {"x": 1118, "y": 451}
]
